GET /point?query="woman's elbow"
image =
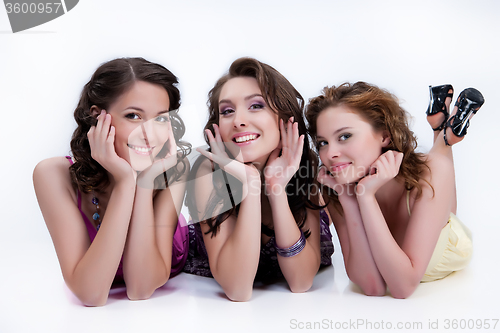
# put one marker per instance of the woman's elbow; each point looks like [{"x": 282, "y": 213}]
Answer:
[
  {"x": 239, "y": 294},
  {"x": 94, "y": 303},
  {"x": 93, "y": 299},
  {"x": 371, "y": 286},
  {"x": 88, "y": 296},
  {"x": 141, "y": 291},
  {"x": 139, "y": 294},
  {"x": 404, "y": 290},
  {"x": 301, "y": 286},
  {"x": 402, "y": 293},
  {"x": 374, "y": 290}
]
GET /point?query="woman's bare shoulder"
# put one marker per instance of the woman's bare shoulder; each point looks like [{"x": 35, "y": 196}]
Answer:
[
  {"x": 54, "y": 170},
  {"x": 53, "y": 164}
]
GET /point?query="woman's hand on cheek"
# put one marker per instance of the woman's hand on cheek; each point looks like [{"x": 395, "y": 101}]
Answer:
[
  {"x": 342, "y": 190},
  {"x": 147, "y": 177},
  {"x": 280, "y": 169},
  {"x": 101, "y": 140},
  {"x": 385, "y": 168},
  {"x": 243, "y": 172}
]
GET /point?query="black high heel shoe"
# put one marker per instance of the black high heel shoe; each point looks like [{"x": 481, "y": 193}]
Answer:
[
  {"x": 437, "y": 105},
  {"x": 469, "y": 101}
]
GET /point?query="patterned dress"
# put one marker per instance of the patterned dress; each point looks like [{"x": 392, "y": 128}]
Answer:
[{"x": 197, "y": 261}]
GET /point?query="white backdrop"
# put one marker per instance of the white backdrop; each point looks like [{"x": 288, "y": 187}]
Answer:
[{"x": 401, "y": 46}]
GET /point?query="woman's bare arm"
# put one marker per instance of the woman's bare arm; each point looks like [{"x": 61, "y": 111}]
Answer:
[
  {"x": 235, "y": 251},
  {"x": 88, "y": 269},
  {"x": 402, "y": 267},
  {"x": 148, "y": 251}
]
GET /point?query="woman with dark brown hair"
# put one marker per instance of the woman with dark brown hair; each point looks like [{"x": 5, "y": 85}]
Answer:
[
  {"x": 252, "y": 192},
  {"x": 118, "y": 199},
  {"x": 393, "y": 209}
]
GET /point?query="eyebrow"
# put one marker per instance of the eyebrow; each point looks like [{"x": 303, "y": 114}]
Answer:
[
  {"x": 141, "y": 110},
  {"x": 246, "y": 98},
  {"x": 337, "y": 131}
]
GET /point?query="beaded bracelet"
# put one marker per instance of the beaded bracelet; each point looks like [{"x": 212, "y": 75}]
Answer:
[{"x": 294, "y": 249}]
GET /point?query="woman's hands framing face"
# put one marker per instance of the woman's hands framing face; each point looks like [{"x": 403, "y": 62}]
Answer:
[
  {"x": 158, "y": 165},
  {"x": 385, "y": 168},
  {"x": 280, "y": 169},
  {"x": 101, "y": 140},
  {"x": 243, "y": 172},
  {"x": 327, "y": 179}
]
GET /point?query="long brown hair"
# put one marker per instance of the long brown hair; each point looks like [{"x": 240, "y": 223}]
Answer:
[
  {"x": 382, "y": 110},
  {"x": 109, "y": 81},
  {"x": 286, "y": 102}
]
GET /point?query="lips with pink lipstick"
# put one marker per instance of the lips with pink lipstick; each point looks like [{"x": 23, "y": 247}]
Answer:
[
  {"x": 337, "y": 167},
  {"x": 245, "y": 138},
  {"x": 141, "y": 150}
]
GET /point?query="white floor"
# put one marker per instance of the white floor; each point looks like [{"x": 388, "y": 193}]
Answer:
[{"x": 34, "y": 298}]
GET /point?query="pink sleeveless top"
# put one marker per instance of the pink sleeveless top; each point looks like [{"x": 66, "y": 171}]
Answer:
[{"x": 180, "y": 244}]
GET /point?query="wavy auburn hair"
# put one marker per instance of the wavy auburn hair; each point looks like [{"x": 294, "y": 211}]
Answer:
[
  {"x": 110, "y": 81},
  {"x": 286, "y": 102},
  {"x": 382, "y": 110}
]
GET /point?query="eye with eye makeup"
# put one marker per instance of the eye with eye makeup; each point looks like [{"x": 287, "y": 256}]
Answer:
[
  {"x": 321, "y": 144},
  {"x": 345, "y": 136},
  {"x": 225, "y": 111},
  {"x": 132, "y": 116},
  {"x": 257, "y": 106}
]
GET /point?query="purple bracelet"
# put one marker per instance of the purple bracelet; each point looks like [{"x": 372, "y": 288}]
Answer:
[{"x": 294, "y": 249}]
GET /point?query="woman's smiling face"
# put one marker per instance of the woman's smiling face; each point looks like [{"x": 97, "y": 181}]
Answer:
[
  {"x": 247, "y": 124},
  {"x": 347, "y": 144},
  {"x": 142, "y": 124}
]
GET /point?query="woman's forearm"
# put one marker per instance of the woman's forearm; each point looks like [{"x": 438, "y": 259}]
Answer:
[
  {"x": 93, "y": 275},
  {"x": 359, "y": 262},
  {"x": 298, "y": 270},
  {"x": 393, "y": 263},
  {"x": 144, "y": 267},
  {"x": 236, "y": 263}
]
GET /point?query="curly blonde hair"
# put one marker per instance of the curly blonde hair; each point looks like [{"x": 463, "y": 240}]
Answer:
[{"x": 382, "y": 110}]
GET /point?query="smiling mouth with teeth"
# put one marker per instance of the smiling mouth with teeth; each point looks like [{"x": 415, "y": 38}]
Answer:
[
  {"x": 245, "y": 138},
  {"x": 141, "y": 150}
]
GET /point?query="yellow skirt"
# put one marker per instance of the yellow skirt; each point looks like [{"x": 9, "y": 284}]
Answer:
[{"x": 453, "y": 251}]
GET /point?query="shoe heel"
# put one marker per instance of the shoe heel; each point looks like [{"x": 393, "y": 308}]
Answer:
[{"x": 468, "y": 103}]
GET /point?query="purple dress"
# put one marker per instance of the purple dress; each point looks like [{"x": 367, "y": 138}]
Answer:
[
  {"x": 179, "y": 244},
  {"x": 197, "y": 261}
]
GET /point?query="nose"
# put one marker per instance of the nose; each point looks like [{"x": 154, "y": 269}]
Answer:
[
  {"x": 333, "y": 151},
  {"x": 240, "y": 119},
  {"x": 148, "y": 132}
]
